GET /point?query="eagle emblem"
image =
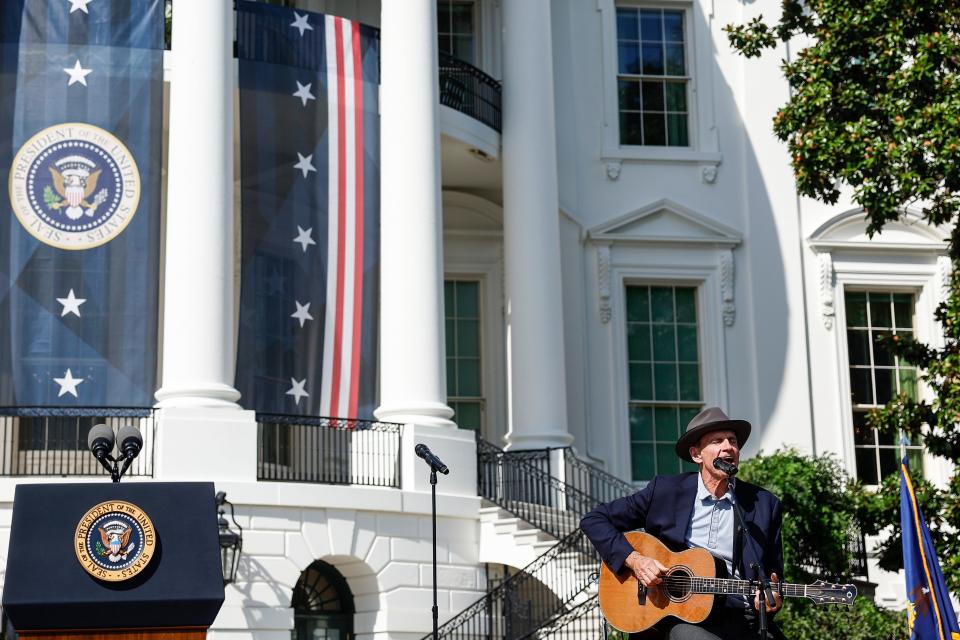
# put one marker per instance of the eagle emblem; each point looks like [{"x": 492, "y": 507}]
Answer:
[
  {"x": 74, "y": 186},
  {"x": 115, "y": 541},
  {"x": 75, "y": 180}
]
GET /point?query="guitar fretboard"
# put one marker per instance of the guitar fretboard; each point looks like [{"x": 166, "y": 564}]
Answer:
[{"x": 728, "y": 586}]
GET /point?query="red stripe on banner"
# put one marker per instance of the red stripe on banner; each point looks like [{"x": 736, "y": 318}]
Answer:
[
  {"x": 341, "y": 217},
  {"x": 359, "y": 213}
]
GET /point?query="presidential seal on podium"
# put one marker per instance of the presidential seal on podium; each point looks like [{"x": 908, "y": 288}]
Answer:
[{"x": 115, "y": 541}]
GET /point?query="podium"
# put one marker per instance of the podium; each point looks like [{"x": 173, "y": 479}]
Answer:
[{"x": 136, "y": 561}]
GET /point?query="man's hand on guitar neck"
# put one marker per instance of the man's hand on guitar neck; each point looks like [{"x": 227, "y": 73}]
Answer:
[
  {"x": 777, "y": 598},
  {"x": 647, "y": 570}
]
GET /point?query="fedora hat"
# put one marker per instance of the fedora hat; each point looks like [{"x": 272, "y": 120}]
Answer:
[{"x": 710, "y": 419}]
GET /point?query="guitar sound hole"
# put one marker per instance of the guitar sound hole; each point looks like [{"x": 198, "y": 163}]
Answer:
[{"x": 678, "y": 583}]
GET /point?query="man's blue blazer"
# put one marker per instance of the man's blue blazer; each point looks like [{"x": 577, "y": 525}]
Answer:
[{"x": 663, "y": 509}]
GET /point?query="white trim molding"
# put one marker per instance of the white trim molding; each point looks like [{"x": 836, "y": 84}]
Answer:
[
  {"x": 668, "y": 224},
  {"x": 662, "y": 243},
  {"x": 847, "y": 232},
  {"x": 827, "y": 298},
  {"x": 704, "y": 148},
  {"x": 944, "y": 269},
  {"x": 726, "y": 286},
  {"x": 603, "y": 281},
  {"x": 909, "y": 256}
]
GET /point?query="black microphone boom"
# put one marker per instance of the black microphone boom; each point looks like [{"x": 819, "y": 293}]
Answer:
[
  {"x": 436, "y": 463},
  {"x": 727, "y": 467}
]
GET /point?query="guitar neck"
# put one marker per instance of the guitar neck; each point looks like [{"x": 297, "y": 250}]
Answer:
[{"x": 728, "y": 586}]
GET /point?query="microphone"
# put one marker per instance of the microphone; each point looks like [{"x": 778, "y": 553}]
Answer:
[
  {"x": 131, "y": 442},
  {"x": 432, "y": 460},
  {"x": 726, "y": 467},
  {"x": 100, "y": 441}
]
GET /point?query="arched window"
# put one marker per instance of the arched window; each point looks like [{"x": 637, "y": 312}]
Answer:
[{"x": 322, "y": 604}]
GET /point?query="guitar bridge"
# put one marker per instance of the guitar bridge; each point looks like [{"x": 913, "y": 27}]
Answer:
[{"x": 641, "y": 594}]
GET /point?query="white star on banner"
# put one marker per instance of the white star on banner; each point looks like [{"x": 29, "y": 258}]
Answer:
[
  {"x": 305, "y": 164},
  {"x": 302, "y": 313},
  {"x": 297, "y": 391},
  {"x": 71, "y": 304},
  {"x": 77, "y": 74},
  {"x": 303, "y": 92},
  {"x": 79, "y": 5},
  {"x": 68, "y": 384},
  {"x": 300, "y": 23},
  {"x": 304, "y": 237}
]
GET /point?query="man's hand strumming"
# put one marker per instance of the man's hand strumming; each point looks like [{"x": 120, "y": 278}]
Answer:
[{"x": 648, "y": 571}]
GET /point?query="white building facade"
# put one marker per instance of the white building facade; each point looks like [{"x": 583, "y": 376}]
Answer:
[{"x": 615, "y": 245}]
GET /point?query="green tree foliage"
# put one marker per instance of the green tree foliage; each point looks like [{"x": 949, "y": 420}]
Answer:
[
  {"x": 820, "y": 509},
  {"x": 818, "y": 513},
  {"x": 875, "y": 106}
]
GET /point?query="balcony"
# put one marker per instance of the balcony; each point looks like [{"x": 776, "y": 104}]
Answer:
[
  {"x": 470, "y": 91},
  {"x": 49, "y": 441},
  {"x": 328, "y": 451}
]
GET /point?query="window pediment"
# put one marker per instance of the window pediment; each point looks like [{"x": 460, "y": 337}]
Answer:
[
  {"x": 848, "y": 230},
  {"x": 665, "y": 221}
]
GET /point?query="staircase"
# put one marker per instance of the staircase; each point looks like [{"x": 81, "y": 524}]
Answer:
[{"x": 533, "y": 504}]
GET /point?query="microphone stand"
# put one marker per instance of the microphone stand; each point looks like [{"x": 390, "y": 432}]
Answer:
[
  {"x": 761, "y": 579},
  {"x": 433, "y": 500}
]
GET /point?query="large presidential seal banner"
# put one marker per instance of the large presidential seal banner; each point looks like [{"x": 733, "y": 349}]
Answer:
[{"x": 81, "y": 88}]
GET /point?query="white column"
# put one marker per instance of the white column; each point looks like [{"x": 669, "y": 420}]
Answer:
[
  {"x": 537, "y": 385},
  {"x": 412, "y": 357},
  {"x": 198, "y": 336}
]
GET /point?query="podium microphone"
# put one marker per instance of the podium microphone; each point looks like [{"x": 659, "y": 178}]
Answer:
[
  {"x": 432, "y": 460},
  {"x": 728, "y": 468},
  {"x": 100, "y": 441}
]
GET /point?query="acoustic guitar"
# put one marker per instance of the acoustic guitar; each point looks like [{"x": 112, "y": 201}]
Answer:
[{"x": 688, "y": 589}]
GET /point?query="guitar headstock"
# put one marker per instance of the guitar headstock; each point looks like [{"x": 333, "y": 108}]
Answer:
[{"x": 828, "y": 593}]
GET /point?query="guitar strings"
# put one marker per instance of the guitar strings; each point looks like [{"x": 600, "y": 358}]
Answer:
[{"x": 743, "y": 587}]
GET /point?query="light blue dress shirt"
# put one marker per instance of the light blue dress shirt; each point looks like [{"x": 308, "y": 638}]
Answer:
[{"x": 711, "y": 524}]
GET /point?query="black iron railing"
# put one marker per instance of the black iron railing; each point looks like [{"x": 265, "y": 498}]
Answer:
[
  {"x": 584, "y": 621},
  {"x": 523, "y": 483},
  {"x": 529, "y": 492},
  {"x": 52, "y": 441},
  {"x": 593, "y": 481},
  {"x": 524, "y": 601},
  {"x": 328, "y": 450},
  {"x": 470, "y": 91}
]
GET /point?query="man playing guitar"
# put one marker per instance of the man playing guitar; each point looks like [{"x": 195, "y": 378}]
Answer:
[{"x": 696, "y": 509}]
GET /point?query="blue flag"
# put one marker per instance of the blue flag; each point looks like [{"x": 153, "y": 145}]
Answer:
[
  {"x": 309, "y": 151},
  {"x": 929, "y": 610},
  {"x": 81, "y": 90}
]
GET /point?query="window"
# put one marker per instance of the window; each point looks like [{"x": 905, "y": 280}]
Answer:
[
  {"x": 322, "y": 604},
  {"x": 462, "y": 311},
  {"x": 664, "y": 375},
  {"x": 877, "y": 376},
  {"x": 652, "y": 77},
  {"x": 455, "y": 29}
]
